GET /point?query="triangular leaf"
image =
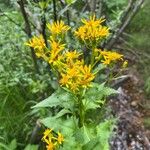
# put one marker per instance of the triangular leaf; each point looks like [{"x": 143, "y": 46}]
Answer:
[
  {"x": 67, "y": 127},
  {"x": 90, "y": 104},
  {"x": 60, "y": 98},
  {"x": 82, "y": 135},
  {"x": 62, "y": 112}
]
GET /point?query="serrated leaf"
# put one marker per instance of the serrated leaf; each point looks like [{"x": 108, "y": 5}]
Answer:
[
  {"x": 59, "y": 98},
  {"x": 90, "y": 104},
  {"x": 70, "y": 142},
  {"x": 66, "y": 127},
  {"x": 62, "y": 112},
  {"x": 93, "y": 144},
  {"x": 98, "y": 92},
  {"x": 82, "y": 136},
  {"x": 104, "y": 131}
]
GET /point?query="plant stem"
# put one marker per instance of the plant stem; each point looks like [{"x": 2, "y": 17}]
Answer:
[
  {"x": 81, "y": 112},
  {"x": 28, "y": 30},
  {"x": 92, "y": 55}
]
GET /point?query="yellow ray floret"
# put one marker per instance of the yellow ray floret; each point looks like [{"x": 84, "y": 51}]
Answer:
[
  {"x": 56, "y": 48},
  {"x": 77, "y": 76},
  {"x": 52, "y": 140},
  {"x": 72, "y": 55},
  {"x": 50, "y": 146},
  {"x": 38, "y": 44},
  {"x": 92, "y": 21},
  {"x": 110, "y": 57},
  {"x": 60, "y": 138},
  {"x": 87, "y": 75},
  {"x": 58, "y": 27},
  {"x": 92, "y": 30}
]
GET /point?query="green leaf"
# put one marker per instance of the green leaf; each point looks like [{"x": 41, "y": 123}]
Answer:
[
  {"x": 70, "y": 1},
  {"x": 98, "y": 92},
  {"x": 99, "y": 68},
  {"x": 71, "y": 143},
  {"x": 102, "y": 135},
  {"x": 82, "y": 136},
  {"x": 94, "y": 144},
  {"x": 90, "y": 104},
  {"x": 60, "y": 98},
  {"x": 104, "y": 131},
  {"x": 66, "y": 127},
  {"x": 62, "y": 112},
  {"x": 13, "y": 144}
]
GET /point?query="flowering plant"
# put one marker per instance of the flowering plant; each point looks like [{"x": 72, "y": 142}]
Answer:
[{"x": 77, "y": 93}]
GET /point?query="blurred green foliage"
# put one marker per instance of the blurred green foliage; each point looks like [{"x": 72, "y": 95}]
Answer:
[{"x": 20, "y": 87}]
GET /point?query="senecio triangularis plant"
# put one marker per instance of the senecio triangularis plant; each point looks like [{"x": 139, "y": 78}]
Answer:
[{"x": 78, "y": 95}]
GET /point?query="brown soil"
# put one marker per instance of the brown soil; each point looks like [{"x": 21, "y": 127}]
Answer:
[{"x": 130, "y": 109}]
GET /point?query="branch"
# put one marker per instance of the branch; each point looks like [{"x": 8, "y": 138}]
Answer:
[
  {"x": 127, "y": 19},
  {"x": 35, "y": 132},
  {"x": 67, "y": 11},
  {"x": 127, "y": 10},
  {"x": 54, "y": 10},
  {"x": 43, "y": 20},
  {"x": 99, "y": 13},
  {"x": 93, "y": 6},
  {"x": 28, "y": 30}
]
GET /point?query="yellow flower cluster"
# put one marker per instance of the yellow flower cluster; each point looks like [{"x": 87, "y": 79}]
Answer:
[
  {"x": 75, "y": 74},
  {"x": 54, "y": 54},
  {"x": 51, "y": 140},
  {"x": 38, "y": 44},
  {"x": 57, "y": 27},
  {"x": 110, "y": 57},
  {"x": 92, "y": 30}
]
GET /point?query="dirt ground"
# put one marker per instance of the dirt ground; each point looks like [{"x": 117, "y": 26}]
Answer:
[{"x": 130, "y": 109}]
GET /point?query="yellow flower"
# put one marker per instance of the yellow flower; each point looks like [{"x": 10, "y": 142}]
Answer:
[
  {"x": 74, "y": 86},
  {"x": 125, "y": 64},
  {"x": 60, "y": 138},
  {"x": 81, "y": 33},
  {"x": 72, "y": 55},
  {"x": 92, "y": 21},
  {"x": 47, "y": 135},
  {"x": 50, "y": 146},
  {"x": 58, "y": 27},
  {"x": 87, "y": 76},
  {"x": 64, "y": 80},
  {"x": 76, "y": 76},
  {"x": 38, "y": 44},
  {"x": 56, "y": 48},
  {"x": 103, "y": 31},
  {"x": 92, "y": 30},
  {"x": 73, "y": 72},
  {"x": 110, "y": 57},
  {"x": 51, "y": 140}
]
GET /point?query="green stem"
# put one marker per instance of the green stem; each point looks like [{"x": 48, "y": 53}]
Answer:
[
  {"x": 92, "y": 55},
  {"x": 81, "y": 112}
]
